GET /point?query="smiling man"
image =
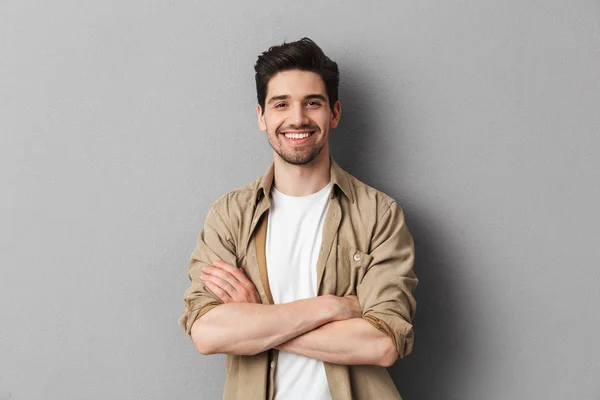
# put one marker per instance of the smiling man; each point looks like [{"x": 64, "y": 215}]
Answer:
[{"x": 304, "y": 277}]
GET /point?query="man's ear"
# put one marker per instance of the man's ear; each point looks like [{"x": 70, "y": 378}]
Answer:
[
  {"x": 335, "y": 115},
  {"x": 261, "y": 119}
]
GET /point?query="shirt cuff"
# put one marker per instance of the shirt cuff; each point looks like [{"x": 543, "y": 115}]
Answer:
[
  {"x": 187, "y": 319},
  {"x": 397, "y": 329}
]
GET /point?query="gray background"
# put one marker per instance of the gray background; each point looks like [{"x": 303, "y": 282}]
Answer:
[{"x": 121, "y": 122}]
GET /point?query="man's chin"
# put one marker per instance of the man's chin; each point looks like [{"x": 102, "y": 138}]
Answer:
[
  {"x": 299, "y": 159},
  {"x": 294, "y": 160}
]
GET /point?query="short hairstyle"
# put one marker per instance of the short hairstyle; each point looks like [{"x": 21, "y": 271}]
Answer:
[{"x": 304, "y": 55}]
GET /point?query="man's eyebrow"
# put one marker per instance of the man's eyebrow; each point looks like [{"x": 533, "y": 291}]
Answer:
[
  {"x": 277, "y": 98},
  {"x": 316, "y": 96}
]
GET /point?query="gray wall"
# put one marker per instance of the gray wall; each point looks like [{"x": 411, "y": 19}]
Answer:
[{"x": 121, "y": 122}]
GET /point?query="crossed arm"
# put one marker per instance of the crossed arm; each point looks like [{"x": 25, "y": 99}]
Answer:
[
  {"x": 328, "y": 328},
  {"x": 223, "y": 313}
]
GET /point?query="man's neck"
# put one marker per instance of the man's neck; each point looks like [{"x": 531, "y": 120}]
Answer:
[{"x": 301, "y": 180}]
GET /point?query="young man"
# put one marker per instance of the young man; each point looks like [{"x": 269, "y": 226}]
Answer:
[{"x": 304, "y": 277}]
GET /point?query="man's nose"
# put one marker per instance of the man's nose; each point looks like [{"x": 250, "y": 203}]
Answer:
[{"x": 298, "y": 115}]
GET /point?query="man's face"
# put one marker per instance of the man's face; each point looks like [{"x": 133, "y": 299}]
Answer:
[{"x": 297, "y": 116}]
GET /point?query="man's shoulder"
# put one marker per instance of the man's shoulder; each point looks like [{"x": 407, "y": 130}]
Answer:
[
  {"x": 240, "y": 198},
  {"x": 368, "y": 196}
]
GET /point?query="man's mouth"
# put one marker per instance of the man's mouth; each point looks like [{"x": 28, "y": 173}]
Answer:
[{"x": 297, "y": 135}]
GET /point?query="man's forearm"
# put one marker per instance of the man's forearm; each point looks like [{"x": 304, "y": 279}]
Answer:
[
  {"x": 350, "y": 342},
  {"x": 246, "y": 328}
]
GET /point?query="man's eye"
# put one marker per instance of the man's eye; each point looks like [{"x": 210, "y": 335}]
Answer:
[
  {"x": 313, "y": 103},
  {"x": 280, "y": 105}
]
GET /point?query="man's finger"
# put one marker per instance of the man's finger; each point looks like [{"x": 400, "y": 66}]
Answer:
[
  {"x": 217, "y": 291},
  {"x": 238, "y": 273},
  {"x": 225, "y": 265},
  {"x": 222, "y": 283},
  {"x": 225, "y": 275}
]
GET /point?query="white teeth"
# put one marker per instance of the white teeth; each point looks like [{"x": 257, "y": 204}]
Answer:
[{"x": 297, "y": 135}]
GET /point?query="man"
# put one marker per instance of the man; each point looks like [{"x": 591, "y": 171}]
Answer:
[{"x": 303, "y": 277}]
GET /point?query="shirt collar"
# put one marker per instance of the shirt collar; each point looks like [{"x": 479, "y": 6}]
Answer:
[{"x": 339, "y": 178}]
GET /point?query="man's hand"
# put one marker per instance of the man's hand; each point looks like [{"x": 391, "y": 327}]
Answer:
[
  {"x": 348, "y": 308},
  {"x": 229, "y": 283}
]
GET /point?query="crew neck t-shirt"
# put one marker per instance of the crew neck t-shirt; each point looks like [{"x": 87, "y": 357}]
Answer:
[{"x": 294, "y": 234}]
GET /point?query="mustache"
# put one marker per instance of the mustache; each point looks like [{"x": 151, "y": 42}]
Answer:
[{"x": 298, "y": 128}]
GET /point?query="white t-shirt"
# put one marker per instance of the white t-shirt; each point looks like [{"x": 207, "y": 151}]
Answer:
[{"x": 294, "y": 233}]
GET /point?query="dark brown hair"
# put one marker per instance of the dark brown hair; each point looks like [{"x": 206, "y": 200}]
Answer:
[{"x": 304, "y": 55}]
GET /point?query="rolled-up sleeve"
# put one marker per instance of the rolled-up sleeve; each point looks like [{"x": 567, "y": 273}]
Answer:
[
  {"x": 215, "y": 242},
  {"x": 385, "y": 292}
]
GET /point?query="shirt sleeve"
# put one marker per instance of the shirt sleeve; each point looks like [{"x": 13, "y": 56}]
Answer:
[
  {"x": 385, "y": 292},
  {"x": 215, "y": 242}
]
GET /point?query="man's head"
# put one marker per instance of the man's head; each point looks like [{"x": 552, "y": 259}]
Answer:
[
  {"x": 304, "y": 55},
  {"x": 297, "y": 90}
]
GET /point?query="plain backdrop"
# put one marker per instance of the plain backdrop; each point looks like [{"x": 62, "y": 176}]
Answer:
[{"x": 122, "y": 121}]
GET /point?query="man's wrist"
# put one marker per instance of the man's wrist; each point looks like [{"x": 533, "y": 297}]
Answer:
[{"x": 333, "y": 308}]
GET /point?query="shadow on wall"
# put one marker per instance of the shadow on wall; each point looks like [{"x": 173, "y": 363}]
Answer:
[{"x": 442, "y": 349}]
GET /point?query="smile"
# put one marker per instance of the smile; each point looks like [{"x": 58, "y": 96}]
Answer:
[{"x": 297, "y": 135}]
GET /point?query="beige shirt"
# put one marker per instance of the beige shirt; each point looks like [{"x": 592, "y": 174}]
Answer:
[{"x": 366, "y": 250}]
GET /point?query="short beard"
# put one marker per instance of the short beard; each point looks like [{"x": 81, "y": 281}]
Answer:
[{"x": 297, "y": 158}]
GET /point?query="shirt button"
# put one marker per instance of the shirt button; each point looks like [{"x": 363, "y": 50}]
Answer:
[
  {"x": 272, "y": 364},
  {"x": 357, "y": 257}
]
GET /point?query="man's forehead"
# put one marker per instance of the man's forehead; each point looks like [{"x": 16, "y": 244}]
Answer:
[{"x": 295, "y": 83}]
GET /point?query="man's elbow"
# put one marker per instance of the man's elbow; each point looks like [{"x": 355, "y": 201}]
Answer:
[
  {"x": 204, "y": 347},
  {"x": 201, "y": 335},
  {"x": 389, "y": 353}
]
